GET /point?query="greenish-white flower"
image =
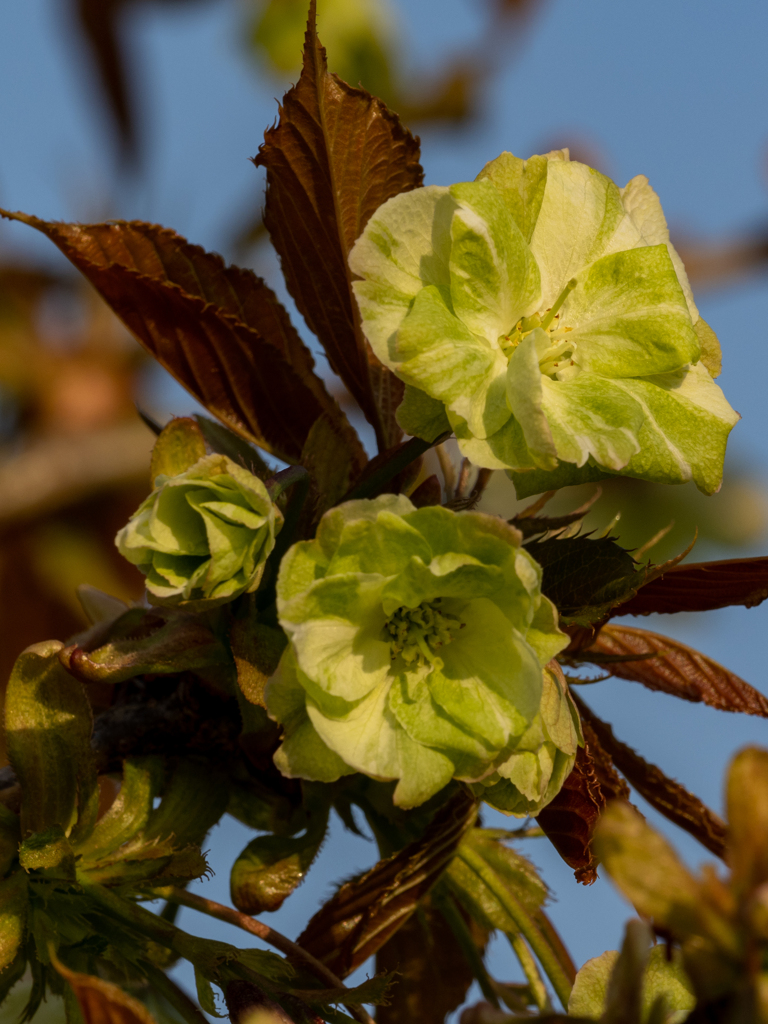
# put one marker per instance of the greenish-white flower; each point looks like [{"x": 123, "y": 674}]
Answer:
[
  {"x": 536, "y": 769},
  {"x": 417, "y": 640},
  {"x": 543, "y": 314},
  {"x": 202, "y": 537}
]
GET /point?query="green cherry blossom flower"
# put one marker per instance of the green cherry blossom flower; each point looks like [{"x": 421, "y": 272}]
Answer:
[
  {"x": 417, "y": 640},
  {"x": 542, "y": 314},
  {"x": 202, "y": 537}
]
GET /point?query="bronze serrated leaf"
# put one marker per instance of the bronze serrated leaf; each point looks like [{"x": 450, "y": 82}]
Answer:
[
  {"x": 702, "y": 587},
  {"x": 569, "y": 820},
  {"x": 220, "y": 331},
  {"x": 367, "y": 911},
  {"x": 336, "y": 154},
  {"x": 667, "y": 796},
  {"x": 676, "y": 669}
]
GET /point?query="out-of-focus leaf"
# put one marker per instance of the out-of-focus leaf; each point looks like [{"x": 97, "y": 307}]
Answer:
[
  {"x": 219, "y": 330},
  {"x": 13, "y": 916},
  {"x": 367, "y": 911},
  {"x": 328, "y": 458},
  {"x": 179, "y": 446},
  {"x": 702, "y": 587},
  {"x": 271, "y": 867},
  {"x": 256, "y": 648},
  {"x": 181, "y": 643},
  {"x": 663, "y": 793},
  {"x": 101, "y": 1002},
  {"x": 517, "y": 873},
  {"x": 676, "y": 669},
  {"x": 648, "y": 871},
  {"x": 335, "y": 156},
  {"x": 624, "y": 995},
  {"x": 434, "y": 975},
  {"x": 747, "y": 799},
  {"x": 429, "y": 492},
  {"x": 569, "y": 820},
  {"x": 48, "y": 725},
  {"x": 586, "y": 578}
]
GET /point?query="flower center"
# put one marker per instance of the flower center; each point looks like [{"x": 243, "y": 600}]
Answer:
[
  {"x": 555, "y": 357},
  {"x": 416, "y": 633}
]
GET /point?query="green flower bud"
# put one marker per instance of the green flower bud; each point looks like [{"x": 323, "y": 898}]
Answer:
[
  {"x": 202, "y": 537},
  {"x": 417, "y": 640},
  {"x": 542, "y": 314}
]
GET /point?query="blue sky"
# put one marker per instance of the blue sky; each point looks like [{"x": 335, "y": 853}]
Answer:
[{"x": 676, "y": 91}]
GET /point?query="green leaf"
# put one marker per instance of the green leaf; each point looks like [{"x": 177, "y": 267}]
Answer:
[
  {"x": 48, "y": 853},
  {"x": 585, "y": 578},
  {"x": 335, "y": 156},
  {"x": 517, "y": 873},
  {"x": 194, "y": 799},
  {"x": 180, "y": 445},
  {"x": 256, "y": 649},
  {"x": 271, "y": 867},
  {"x": 129, "y": 812},
  {"x": 48, "y": 729}
]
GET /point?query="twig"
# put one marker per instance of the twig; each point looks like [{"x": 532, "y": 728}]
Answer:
[{"x": 264, "y": 932}]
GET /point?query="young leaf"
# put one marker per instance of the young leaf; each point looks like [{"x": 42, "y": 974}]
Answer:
[
  {"x": 434, "y": 975},
  {"x": 335, "y": 156},
  {"x": 219, "y": 330},
  {"x": 256, "y": 649},
  {"x": 367, "y": 911},
  {"x": 271, "y": 867},
  {"x": 194, "y": 799},
  {"x": 702, "y": 587},
  {"x": 667, "y": 796},
  {"x": 180, "y": 644},
  {"x": 675, "y": 669},
  {"x": 224, "y": 441},
  {"x": 328, "y": 459},
  {"x": 180, "y": 445},
  {"x": 517, "y": 873},
  {"x": 129, "y": 812},
  {"x": 48, "y": 725},
  {"x": 570, "y": 819},
  {"x": 611, "y": 783},
  {"x": 585, "y": 578}
]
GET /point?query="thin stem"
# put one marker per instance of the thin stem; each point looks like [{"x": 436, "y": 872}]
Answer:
[
  {"x": 519, "y": 915},
  {"x": 444, "y": 902},
  {"x": 531, "y": 971},
  {"x": 448, "y": 470},
  {"x": 175, "y": 995},
  {"x": 264, "y": 932}
]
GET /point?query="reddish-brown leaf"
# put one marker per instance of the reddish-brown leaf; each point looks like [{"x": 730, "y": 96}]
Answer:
[
  {"x": 335, "y": 156},
  {"x": 611, "y": 783},
  {"x": 367, "y": 911},
  {"x": 702, "y": 587},
  {"x": 667, "y": 796},
  {"x": 434, "y": 975},
  {"x": 219, "y": 330},
  {"x": 569, "y": 820},
  {"x": 676, "y": 669}
]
